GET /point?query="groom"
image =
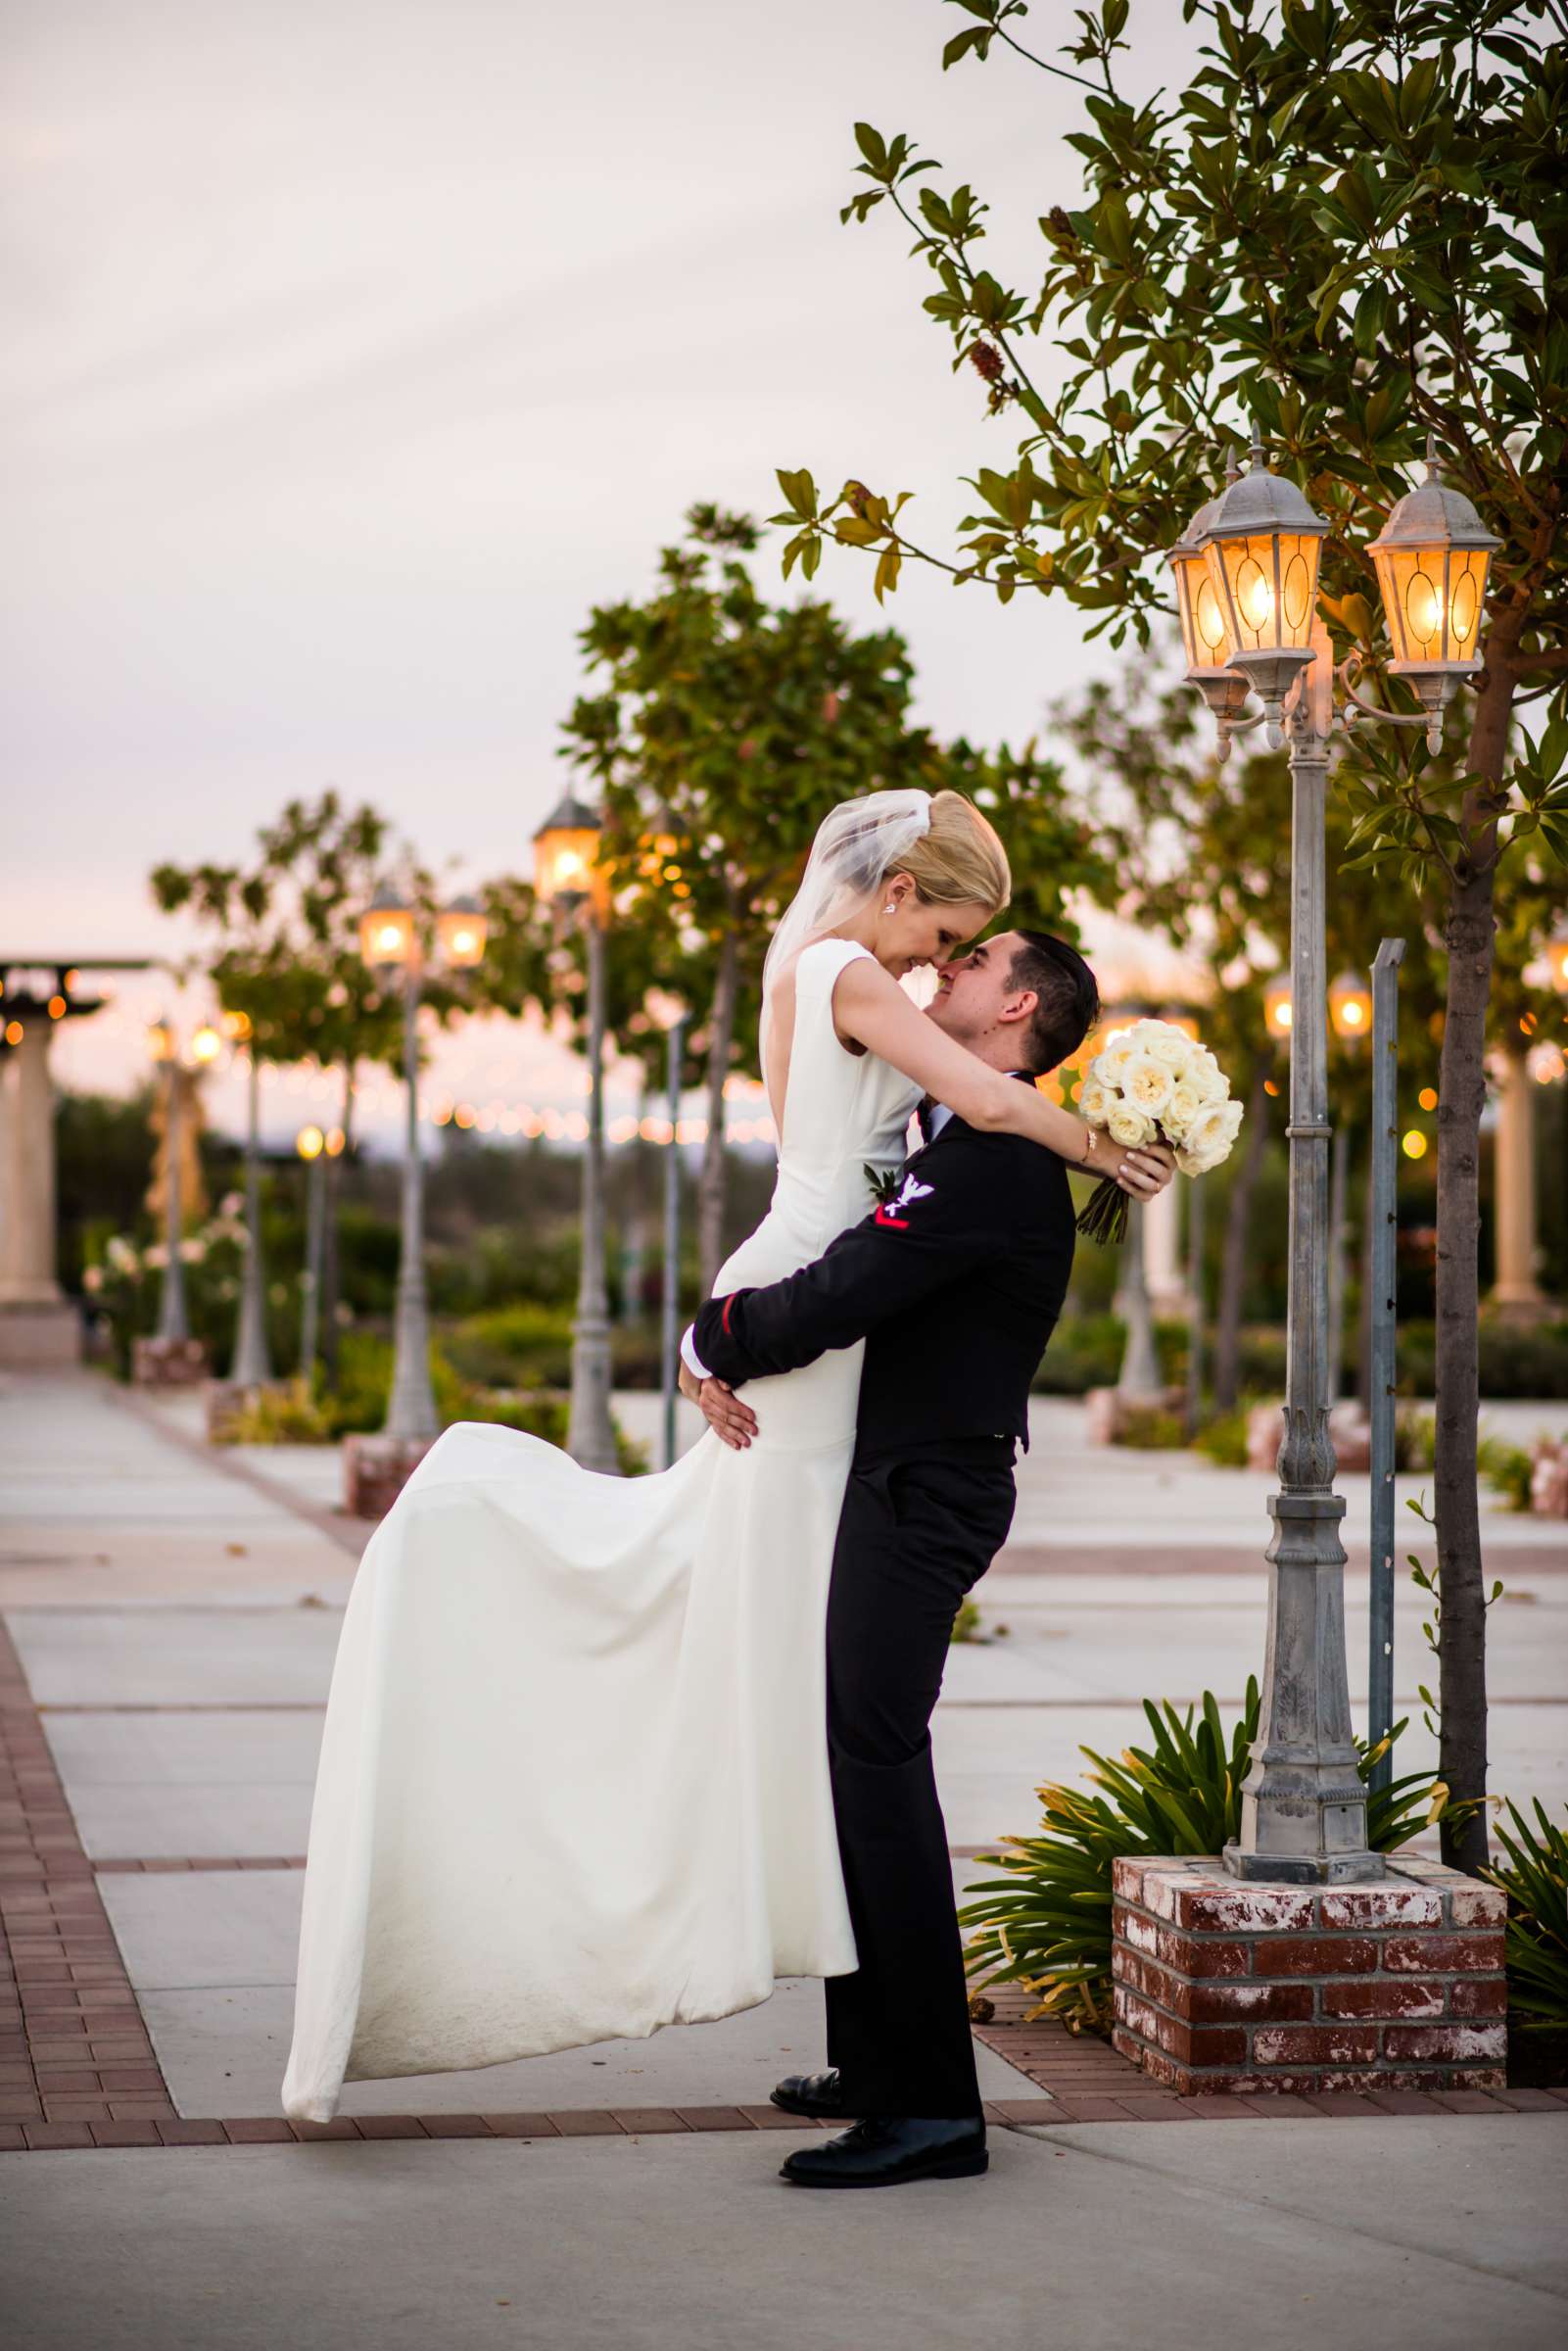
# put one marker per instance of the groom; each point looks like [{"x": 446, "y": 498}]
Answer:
[{"x": 955, "y": 1283}]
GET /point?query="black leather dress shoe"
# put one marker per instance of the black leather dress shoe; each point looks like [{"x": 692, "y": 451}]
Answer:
[
  {"x": 886, "y": 2150},
  {"x": 819, "y": 2095}
]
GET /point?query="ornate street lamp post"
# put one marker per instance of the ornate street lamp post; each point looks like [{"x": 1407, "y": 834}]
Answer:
[
  {"x": 389, "y": 942},
  {"x": 669, "y": 1013},
  {"x": 251, "y": 1366},
  {"x": 312, "y": 1145},
  {"x": 1303, "y": 1808},
  {"x": 567, "y": 876}
]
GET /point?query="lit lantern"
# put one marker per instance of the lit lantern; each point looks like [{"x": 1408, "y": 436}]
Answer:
[
  {"x": 206, "y": 1045},
  {"x": 1276, "y": 1008},
  {"x": 463, "y": 930},
  {"x": 1557, "y": 959},
  {"x": 310, "y": 1142},
  {"x": 1431, "y": 555},
  {"x": 1204, "y": 630},
  {"x": 160, "y": 1040},
  {"x": 566, "y": 849},
  {"x": 1350, "y": 1006},
  {"x": 1262, "y": 546},
  {"x": 387, "y": 931}
]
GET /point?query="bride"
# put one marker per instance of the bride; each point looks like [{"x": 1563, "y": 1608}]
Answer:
[{"x": 573, "y": 1781}]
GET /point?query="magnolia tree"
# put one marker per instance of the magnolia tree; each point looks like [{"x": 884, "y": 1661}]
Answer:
[
  {"x": 722, "y": 731},
  {"x": 1349, "y": 229},
  {"x": 286, "y": 954},
  {"x": 725, "y": 730}
]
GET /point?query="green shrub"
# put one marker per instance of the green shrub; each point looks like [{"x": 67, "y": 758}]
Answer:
[
  {"x": 1415, "y": 1440},
  {"x": 1224, "y": 1438},
  {"x": 1046, "y": 1922},
  {"x": 292, "y": 1415},
  {"x": 966, "y": 1624},
  {"x": 1147, "y": 1428},
  {"x": 1536, "y": 1939},
  {"x": 524, "y": 1345},
  {"x": 1085, "y": 1352},
  {"x": 1514, "y": 1363},
  {"x": 1507, "y": 1469}
]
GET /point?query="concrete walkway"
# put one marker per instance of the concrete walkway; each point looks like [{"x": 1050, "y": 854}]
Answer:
[
  {"x": 1272, "y": 2236},
  {"x": 178, "y": 1620}
]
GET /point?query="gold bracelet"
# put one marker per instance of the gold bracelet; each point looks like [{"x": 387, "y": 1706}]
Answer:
[{"x": 1090, "y": 1147}]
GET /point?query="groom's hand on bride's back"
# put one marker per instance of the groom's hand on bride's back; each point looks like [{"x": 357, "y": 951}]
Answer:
[{"x": 722, "y": 1408}]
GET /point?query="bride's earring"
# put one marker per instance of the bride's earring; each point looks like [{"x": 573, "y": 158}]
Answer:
[{"x": 891, "y": 906}]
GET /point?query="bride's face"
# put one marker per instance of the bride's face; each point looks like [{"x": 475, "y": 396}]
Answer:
[{"x": 916, "y": 932}]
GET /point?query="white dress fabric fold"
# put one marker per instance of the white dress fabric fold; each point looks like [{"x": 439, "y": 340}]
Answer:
[{"x": 573, "y": 1781}]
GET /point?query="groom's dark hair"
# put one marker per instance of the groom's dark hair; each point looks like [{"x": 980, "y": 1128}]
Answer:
[{"x": 1067, "y": 999}]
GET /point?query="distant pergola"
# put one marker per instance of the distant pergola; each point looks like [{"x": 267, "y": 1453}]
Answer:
[{"x": 38, "y": 1326}]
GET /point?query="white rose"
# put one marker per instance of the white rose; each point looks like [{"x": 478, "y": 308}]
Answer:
[
  {"x": 1206, "y": 1077},
  {"x": 1128, "y": 1126},
  {"x": 1147, "y": 1084},
  {"x": 1211, "y": 1134},
  {"x": 1165, "y": 1042},
  {"x": 1193, "y": 1163},
  {"x": 1113, "y": 1056},
  {"x": 1094, "y": 1103},
  {"x": 1181, "y": 1108}
]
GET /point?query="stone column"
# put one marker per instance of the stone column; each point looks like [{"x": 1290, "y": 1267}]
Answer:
[
  {"x": 37, "y": 1324},
  {"x": 1162, "y": 1254},
  {"x": 27, "y": 1262},
  {"x": 1515, "y": 1292}
]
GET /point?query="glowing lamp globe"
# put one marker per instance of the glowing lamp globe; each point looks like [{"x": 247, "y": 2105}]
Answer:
[
  {"x": 310, "y": 1142},
  {"x": 1350, "y": 1006},
  {"x": 1206, "y": 632},
  {"x": 1432, "y": 556},
  {"x": 1262, "y": 548},
  {"x": 387, "y": 932},
  {"x": 206, "y": 1045},
  {"x": 1276, "y": 1008},
  {"x": 1558, "y": 960},
  {"x": 566, "y": 856},
  {"x": 463, "y": 930}
]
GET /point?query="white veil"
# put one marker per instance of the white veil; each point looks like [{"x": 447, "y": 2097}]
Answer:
[{"x": 858, "y": 844}]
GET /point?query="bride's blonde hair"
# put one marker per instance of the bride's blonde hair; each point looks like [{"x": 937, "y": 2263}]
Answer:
[{"x": 958, "y": 861}]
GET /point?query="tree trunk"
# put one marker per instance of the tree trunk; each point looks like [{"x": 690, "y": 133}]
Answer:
[
  {"x": 1461, "y": 1094},
  {"x": 711, "y": 1186},
  {"x": 1238, "y": 1226}
]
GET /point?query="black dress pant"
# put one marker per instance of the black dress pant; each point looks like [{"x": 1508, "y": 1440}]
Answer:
[{"x": 917, "y": 1532}]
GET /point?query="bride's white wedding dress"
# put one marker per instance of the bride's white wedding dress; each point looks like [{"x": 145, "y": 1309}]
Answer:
[{"x": 573, "y": 1781}]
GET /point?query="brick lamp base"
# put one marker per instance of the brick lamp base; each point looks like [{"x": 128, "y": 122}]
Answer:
[
  {"x": 375, "y": 1470},
  {"x": 1226, "y": 1986}
]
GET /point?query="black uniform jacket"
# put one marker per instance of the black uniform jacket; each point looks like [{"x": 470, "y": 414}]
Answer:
[{"x": 955, "y": 1286}]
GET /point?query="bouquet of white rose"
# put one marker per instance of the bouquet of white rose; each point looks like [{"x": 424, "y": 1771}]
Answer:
[{"x": 1154, "y": 1084}]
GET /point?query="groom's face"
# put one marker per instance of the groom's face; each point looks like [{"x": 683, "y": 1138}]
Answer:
[{"x": 975, "y": 992}]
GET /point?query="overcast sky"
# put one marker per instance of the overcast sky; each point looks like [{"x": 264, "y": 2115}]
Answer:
[{"x": 357, "y": 347}]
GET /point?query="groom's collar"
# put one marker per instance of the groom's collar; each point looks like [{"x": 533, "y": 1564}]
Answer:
[{"x": 936, "y": 1119}]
